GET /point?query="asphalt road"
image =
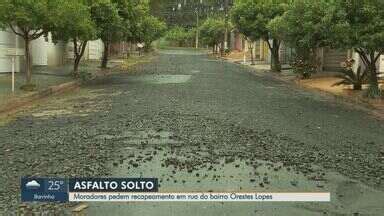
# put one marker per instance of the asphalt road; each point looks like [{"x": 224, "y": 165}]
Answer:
[{"x": 200, "y": 124}]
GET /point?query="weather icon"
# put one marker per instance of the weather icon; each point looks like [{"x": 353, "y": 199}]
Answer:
[{"x": 33, "y": 185}]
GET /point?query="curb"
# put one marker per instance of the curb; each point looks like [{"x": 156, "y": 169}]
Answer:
[
  {"x": 14, "y": 104},
  {"x": 362, "y": 103},
  {"x": 358, "y": 103}
]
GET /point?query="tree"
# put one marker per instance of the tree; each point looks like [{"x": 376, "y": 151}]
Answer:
[
  {"x": 305, "y": 26},
  {"x": 3, "y": 6},
  {"x": 360, "y": 25},
  {"x": 212, "y": 31},
  {"x": 29, "y": 19},
  {"x": 118, "y": 20},
  {"x": 76, "y": 25},
  {"x": 150, "y": 29},
  {"x": 185, "y": 15},
  {"x": 105, "y": 15},
  {"x": 251, "y": 18},
  {"x": 132, "y": 13},
  {"x": 177, "y": 35}
]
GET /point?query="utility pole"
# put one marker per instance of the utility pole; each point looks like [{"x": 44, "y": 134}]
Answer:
[
  {"x": 197, "y": 27},
  {"x": 226, "y": 4},
  {"x": 197, "y": 23}
]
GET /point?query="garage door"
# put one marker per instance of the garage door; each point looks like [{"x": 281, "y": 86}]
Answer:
[
  {"x": 333, "y": 59},
  {"x": 286, "y": 54},
  {"x": 39, "y": 51},
  {"x": 96, "y": 49}
]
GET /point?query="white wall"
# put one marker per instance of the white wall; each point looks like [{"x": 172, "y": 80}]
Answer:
[
  {"x": 43, "y": 52},
  {"x": 381, "y": 64},
  {"x": 39, "y": 52},
  {"x": 10, "y": 44},
  {"x": 359, "y": 62},
  {"x": 55, "y": 53},
  {"x": 95, "y": 50},
  {"x": 46, "y": 52}
]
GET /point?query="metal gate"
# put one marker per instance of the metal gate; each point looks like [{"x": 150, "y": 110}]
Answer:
[{"x": 333, "y": 59}]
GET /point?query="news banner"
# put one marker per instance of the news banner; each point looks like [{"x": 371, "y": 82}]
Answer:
[{"x": 140, "y": 190}]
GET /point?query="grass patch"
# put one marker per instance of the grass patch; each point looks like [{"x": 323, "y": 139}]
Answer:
[{"x": 135, "y": 60}]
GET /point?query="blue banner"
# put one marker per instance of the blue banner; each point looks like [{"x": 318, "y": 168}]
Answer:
[
  {"x": 57, "y": 189},
  {"x": 44, "y": 190}
]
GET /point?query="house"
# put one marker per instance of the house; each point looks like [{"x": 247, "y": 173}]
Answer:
[
  {"x": 260, "y": 48},
  {"x": 93, "y": 51},
  {"x": 330, "y": 59},
  {"x": 43, "y": 51},
  {"x": 236, "y": 41}
]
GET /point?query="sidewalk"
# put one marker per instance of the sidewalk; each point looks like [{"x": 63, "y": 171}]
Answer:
[
  {"x": 54, "y": 80},
  {"x": 325, "y": 84},
  {"x": 321, "y": 82},
  {"x": 48, "y": 81},
  {"x": 238, "y": 58}
]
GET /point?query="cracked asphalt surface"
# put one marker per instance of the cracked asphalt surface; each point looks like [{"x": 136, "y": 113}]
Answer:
[{"x": 199, "y": 123}]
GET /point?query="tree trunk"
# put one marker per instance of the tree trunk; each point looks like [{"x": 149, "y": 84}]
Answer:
[
  {"x": 78, "y": 56},
  {"x": 76, "y": 67},
  {"x": 129, "y": 47},
  {"x": 275, "y": 57},
  {"x": 104, "y": 62},
  {"x": 369, "y": 59},
  {"x": 276, "y": 65},
  {"x": 28, "y": 71},
  {"x": 147, "y": 47},
  {"x": 252, "y": 54},
  {"x": 222, "y": 49},
  {"x": 373, "y": 90}
]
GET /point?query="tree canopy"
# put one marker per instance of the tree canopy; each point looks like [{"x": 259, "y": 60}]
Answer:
[
  {"x": 305, "y": 24},
  {"x": 177, "y": 35},
  {"x": 150, "y": 29},
  {"x": 119, "y": 20},
  {"x": 109, "y": 25},
  {"x": 185, "y": 15},
  {"x": 29, "y": 19},
  {"x": 76, "y": 22},
  {"x": 251, "y": 18},
  {"x": 360, "y": 25},
  {"x": 76, "y": 25},
  {"x": 212, "y": 31}
]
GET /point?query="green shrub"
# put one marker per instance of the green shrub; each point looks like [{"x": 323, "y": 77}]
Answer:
[
  {"x": 349, "y": 77},
  {"x": 304, "y": 68}
]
